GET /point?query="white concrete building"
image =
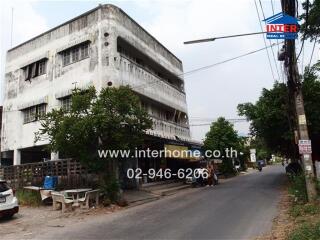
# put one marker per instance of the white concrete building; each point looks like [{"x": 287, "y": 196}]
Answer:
[{"x": 101, "y": 47}]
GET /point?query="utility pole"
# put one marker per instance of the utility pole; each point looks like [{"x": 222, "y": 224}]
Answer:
[{"x": 294, "y": 87}]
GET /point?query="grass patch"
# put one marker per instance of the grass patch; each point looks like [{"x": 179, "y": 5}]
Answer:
[
  {"x": 306, "y": 231},
  {"x": 28, "y": 198},
  {"x": 298, "y": 210},
  {"x": 297, "y": 188}
]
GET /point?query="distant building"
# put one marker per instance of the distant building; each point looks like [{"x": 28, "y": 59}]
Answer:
[{"x": 100, "y": 48}]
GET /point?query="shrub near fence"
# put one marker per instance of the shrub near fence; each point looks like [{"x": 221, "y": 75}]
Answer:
[{"x": 70, "y": 173}]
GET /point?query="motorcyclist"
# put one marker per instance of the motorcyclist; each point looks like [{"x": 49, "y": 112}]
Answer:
[{"x": 259, "y": 166}]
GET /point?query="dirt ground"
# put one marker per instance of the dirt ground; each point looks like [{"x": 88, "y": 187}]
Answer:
[
  {"x": 284, "y": 223},
  {"x": 30, "y": 219}
]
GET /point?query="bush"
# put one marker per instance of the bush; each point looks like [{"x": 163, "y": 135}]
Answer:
[
  {"x": 311, "y": 209},
  {"x": 296, "y": 211},
  {"x": 227, "y": 168},
  {"x": 307, "y": 209},
  {"x": 297, "y": 188},
  {"x": 110, "y": 187},
  {"x": 318, "y": 186},
  {"x": 28, "y": 198},
  {"x": 306, "y": 231}
]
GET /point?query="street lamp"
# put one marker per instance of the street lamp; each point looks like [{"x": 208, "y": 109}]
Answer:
[{"x": 216, "y": 38}]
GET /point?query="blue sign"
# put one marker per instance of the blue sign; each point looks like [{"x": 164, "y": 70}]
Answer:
[{"x": 282, "y": 26}]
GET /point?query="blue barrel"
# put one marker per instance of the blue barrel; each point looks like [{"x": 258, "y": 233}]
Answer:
[{"x": 50, "y": 182}]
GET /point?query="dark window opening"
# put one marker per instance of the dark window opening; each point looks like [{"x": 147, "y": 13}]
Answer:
[
  {"x": 66, "y": 103},
  {"x": 75, "y": 54},
  {"x": 34, "y": 113},
  {"x": 35, "y": 69}
]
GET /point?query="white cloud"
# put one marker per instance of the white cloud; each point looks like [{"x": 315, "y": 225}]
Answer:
[
  {"x": 27, "y": 23},
  {"x": 211, "y": 93},
  {"x": 217, "y": 91}
]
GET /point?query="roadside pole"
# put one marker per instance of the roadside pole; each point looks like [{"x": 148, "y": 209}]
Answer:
[{"x": 294, "y": 85}]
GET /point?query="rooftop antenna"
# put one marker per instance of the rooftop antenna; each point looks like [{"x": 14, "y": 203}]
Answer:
[
  {"x": 11, "y": 25},
  {"x": 75, "y": 85}
]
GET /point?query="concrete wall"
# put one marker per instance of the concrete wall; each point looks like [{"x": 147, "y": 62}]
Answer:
[{"x": 101, "y": 26}]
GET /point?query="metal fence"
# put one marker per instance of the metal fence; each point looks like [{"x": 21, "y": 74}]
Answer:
[{"x": 70, "y": 173}]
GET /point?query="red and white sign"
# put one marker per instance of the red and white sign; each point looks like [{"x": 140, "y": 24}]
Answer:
[{"x": 305, "y": 147}]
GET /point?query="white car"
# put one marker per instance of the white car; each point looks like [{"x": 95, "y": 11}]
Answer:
[{"x": 8, "y": 202}]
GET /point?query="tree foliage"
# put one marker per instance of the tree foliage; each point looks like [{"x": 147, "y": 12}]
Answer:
[
  {"x": 220, "y": 137},
  {"x": 112, "y": 119},
  {"x": 270, "y": 118},
  {"x": 311, "y": 26}
]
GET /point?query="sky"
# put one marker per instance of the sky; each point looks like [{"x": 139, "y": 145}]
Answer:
[{"x": 210, "y": 93}]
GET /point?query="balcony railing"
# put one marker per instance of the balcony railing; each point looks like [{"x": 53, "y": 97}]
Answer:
[
  {"x": 148, "y": 84},
  {"x": 169, "y": 130}
]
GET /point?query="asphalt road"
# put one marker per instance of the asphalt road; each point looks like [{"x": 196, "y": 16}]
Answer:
[{"x": 240, "y": 208}]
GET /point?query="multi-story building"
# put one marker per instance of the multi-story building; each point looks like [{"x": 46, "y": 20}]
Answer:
[{"x": 102, "y": 47}]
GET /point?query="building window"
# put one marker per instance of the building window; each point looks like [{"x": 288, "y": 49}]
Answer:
[
  {"x": 41, "y": 111},
  {"x": 35, "y": 69},
  {"x": 42, "y": 67},
  {"x": 66, "y": 103},
  {"x": 34, "y": 113},
  {"x": 84, "y": 51},
  {"x": 75, "y": 54},
  {"x": 29, "y": 115},
  {"x": 66, "y": 58}
]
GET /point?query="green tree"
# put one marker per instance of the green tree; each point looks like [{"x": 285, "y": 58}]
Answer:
[
  {"x": 311, "y": 28},
  {"x": 270, "y": 118},
  {"x": 220, "y": 137},
  {"x": 262, "y": 152},
  {"x": 110, "y": 120},
  {"x": 244, "y": 152}
]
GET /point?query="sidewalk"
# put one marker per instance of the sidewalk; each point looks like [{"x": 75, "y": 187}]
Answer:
[
  {"x": 138, "y": 197},
  {"x": 154, "y": 191}
]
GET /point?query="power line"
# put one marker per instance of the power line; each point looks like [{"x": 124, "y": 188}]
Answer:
[
  {"x": 306, "y": 28},
  {"x": 255, "y": 3},
  {"x": 314, "y": 45},
  {"x": 274, "y": 58},
  {"x": 191, "y": 71},
  {"x": 208, "y": 66},
  {"x": 225, "y": 61},
  {"x": 302, "y": 62},
  {"x": 272, "y": 6},
  {"x": 214, "y": 119},
  {"x": 11, "y": 38},
  {"x": 281, "y": 67},
  {"x": 208, "y": 124}
]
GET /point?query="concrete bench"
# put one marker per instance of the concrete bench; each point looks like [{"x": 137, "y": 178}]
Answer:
[
  {"x": 90, "y": 195},
  {"x": 59, "y": 199}
]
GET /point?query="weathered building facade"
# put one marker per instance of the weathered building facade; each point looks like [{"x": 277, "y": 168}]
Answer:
[{"x": 102, "y": 47}]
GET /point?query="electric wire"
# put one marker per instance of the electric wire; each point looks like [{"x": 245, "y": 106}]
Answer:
[
  {"x": 306, "y": 29},
  {"x": 191, "y": 71},
  {"x": 313, "y": 48},
  {"x": 272, "y": 7},
  {"x": 274, "y": 58},
  {"x": 225, "y": 61},
  {"x": 265, "y": 43},
  {"x": 186, "y": 74}
]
